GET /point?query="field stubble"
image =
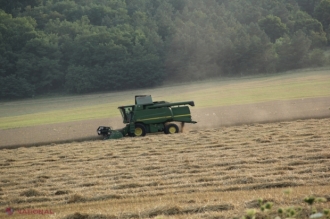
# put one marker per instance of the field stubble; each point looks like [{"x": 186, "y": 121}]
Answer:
[{"x": 209, "y": 173}]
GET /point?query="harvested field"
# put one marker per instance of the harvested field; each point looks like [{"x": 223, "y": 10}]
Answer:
[
  {"x": 205, "y": 173},
  {"x": 264, "y": 137}
]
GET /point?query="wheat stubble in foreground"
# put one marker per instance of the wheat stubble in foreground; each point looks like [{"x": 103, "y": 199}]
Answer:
[{"x": 211, "y": 173}]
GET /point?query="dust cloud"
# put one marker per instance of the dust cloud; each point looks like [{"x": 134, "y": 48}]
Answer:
[
  {"x": 213, "y": 117},
  {"x": 272, "y": 111}
]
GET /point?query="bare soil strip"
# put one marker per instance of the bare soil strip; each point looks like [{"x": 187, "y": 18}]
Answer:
[{"x": 306, "y": 108}]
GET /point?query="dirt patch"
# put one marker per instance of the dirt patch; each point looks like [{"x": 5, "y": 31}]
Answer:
[{"x": 306, "y": 108}]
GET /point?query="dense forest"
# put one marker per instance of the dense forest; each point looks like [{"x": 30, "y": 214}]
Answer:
[{"x": 82, "y": 46}]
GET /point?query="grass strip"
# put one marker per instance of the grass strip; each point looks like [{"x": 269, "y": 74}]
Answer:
[{"x": 205, "y": 94}]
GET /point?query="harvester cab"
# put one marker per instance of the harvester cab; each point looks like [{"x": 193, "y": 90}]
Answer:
[
  {"x": 147, "y": 116},
  {"x": 126, "y": 113}
]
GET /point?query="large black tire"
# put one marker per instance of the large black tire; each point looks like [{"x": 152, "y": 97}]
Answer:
[
  {"x": 171, "y": 128},
  {"x": 140, "y": 130}
]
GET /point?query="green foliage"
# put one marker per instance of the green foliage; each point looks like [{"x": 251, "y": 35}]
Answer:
[
  {"x": 293, "y": 52},
  {"x": 280, "y": 211},
  {"x": 17, "y": 5},
  {"x": 322, "y": 13},
  {"x": 15, "y": 32},
  {"x": 79, "y": 80},
  {"x": 124, "y": 44},
  {"x": 312, "y": 27},
  {"x": 250, "y": 214},
  {"x": 266, "y": 210},
  {"x": 304, "y": 21},
  {"x": 39, "y": 63},
  {"x": 308, "y": 5},
  {"x": 317, "y": 58},
  {"x": 326, "y": 212},
  {"x": 273, "y": 27},
  {"x": 12, "y": 87}
]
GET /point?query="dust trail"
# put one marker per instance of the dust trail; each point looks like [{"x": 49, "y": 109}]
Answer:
[
  {"x": 273, "y": 111},
  {"x": 215, "y": 117}
]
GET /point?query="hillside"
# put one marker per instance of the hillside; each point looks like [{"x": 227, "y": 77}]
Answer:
[{"x": 78, "y": 46}]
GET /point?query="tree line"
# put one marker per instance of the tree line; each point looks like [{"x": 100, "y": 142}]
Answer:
[{"x": 82, "y": 46}]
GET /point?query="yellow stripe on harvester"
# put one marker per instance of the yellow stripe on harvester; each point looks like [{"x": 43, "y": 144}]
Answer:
[
  {"x": 163, "y": 117},
  {"x": 182, "y": 115}
]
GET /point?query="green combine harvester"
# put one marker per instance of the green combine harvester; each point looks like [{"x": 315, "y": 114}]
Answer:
[{"x": 147, "y": 116}]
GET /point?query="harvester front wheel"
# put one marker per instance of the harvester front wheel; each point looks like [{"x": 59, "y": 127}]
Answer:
[
  {"x": 171, "y": 129},
  {"x": 140, "y": 130}
]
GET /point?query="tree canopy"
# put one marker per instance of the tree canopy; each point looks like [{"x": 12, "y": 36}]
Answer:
[{"x": 81, "y": 46}]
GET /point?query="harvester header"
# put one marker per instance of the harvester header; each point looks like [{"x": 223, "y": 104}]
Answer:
[{"x": 146, "y": 116}]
